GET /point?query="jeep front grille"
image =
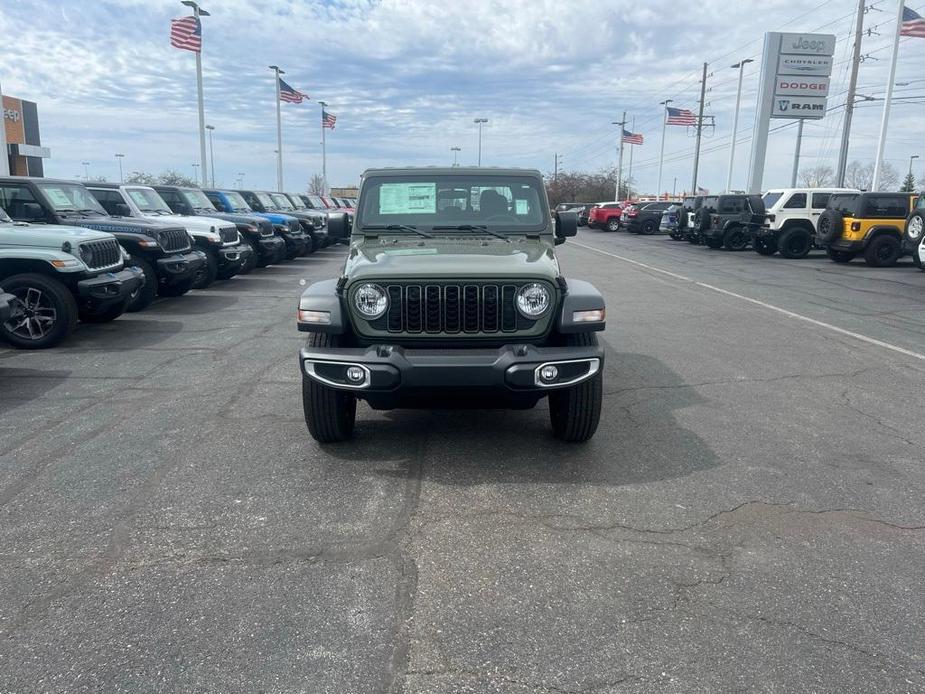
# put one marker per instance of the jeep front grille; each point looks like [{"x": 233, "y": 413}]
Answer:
[
  {"x": 450, "y": 308},
  {"x": 173, "y": 240},
  {"x": 228, "y": 234},
  {"x": 100, "y": 255},
  {"x": 266, "y": 228}
]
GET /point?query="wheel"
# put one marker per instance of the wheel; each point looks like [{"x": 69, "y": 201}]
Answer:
[
  {"x": 178, "y": 289},
  {"x": 840, "y": 256},
  {"x": 105, "y": 315},
  {"x": 883, "y": 251},
  {"x": 676, "y": 235},
  {"x": 44, "y": 314},
  {"x": 251, "y": 261},
  {"x": 915, "y": 226},
  {"x": 142, "y": 297},
  {"x": 830, "y": 226},
  {"x": 330, "y": 414},
  {"x": 575, "y": 412},
  {"x": 693, "y": 237},
  {"x": 795, "y": 243},
  {"x": 764, "y": 247},
  {"x": 208, "y": 273},
  {"x": 649, "y": 227},
  {"x": 735, "y": 239},
  {"x": 715, "y": 244},
  {"x": 613, "y": 224}
]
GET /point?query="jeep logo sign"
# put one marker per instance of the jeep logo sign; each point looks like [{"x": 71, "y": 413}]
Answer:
[
  {"x": 799, "y": 107},
  {"x": 807, "y": 44},
  {"x": 802, "y": 86}
]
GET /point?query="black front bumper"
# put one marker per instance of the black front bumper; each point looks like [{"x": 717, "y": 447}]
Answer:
[
  {"x": 233, "y": 257},
  {"x": 270, "y": 248},
  {"x": 173, "y": 269},
  {"x": 402, "y": 373},
  {"x": 110, "y": 287},
  {"x": 295, "y": 241}
]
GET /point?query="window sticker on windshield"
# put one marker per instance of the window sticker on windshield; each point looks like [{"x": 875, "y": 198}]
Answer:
[
  {"x": 139, "y": 198},
  {"x": 408, "y": 198},
  {"x": 521, "y": 206},
  {"x": 58, "y": 197}
]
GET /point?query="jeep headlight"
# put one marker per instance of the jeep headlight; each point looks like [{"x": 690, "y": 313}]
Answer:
[
  {"x": 371, "y": 301},
  {"x": 532, "y": 300}
]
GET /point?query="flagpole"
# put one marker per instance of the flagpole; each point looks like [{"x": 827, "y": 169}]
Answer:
[
  {"x": 661, "y": 154},
  {"x": 324, "y": 153},
  {"x": 279, "y": 131},
  {"x": 881, "y": 143},
  {"x": 197, "y": 13},
  {"x": 622, "y": 124}
]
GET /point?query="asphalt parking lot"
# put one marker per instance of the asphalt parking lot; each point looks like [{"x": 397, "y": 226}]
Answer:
[{"x": 749, "y": 516}]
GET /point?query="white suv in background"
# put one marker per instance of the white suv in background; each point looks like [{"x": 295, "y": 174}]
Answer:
[{"x": 790, "y": 225}]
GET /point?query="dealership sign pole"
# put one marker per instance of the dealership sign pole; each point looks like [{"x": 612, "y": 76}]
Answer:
[
  {"x": 4, "y": 154},
  {"x": 794, "y": 84}
]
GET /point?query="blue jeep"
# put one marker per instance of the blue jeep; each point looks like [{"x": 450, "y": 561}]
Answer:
[{"x": 286, "y": 226}]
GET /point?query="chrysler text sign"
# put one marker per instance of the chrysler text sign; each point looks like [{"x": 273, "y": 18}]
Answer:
[
  {"x": 798, "y": 107},
  {"x": 789, "y": 85},
  {"x": 816, "y": 65}
]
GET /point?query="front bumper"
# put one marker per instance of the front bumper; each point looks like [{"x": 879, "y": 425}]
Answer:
[
  {"x": 110, "y": 287},
  {"x": 295, "y": 241},
  {"x": 177, "y": 268},
  {"x": 271, "y": 248},
  {"x": 232, "y": 257},
  {"x": 766, "y": 233},
  {"x": 509, "y": 369}
]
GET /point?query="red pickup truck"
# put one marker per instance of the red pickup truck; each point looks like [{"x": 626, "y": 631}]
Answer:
[{"x": 605, "y": 215}]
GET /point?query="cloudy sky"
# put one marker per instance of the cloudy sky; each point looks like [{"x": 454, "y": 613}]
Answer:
[{"x": 406, "y": 78}]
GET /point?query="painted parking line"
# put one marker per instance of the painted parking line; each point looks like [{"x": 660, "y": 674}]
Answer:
[{"x": 790, "y": 314}]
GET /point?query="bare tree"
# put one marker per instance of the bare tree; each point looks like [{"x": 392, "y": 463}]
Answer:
[
  {"x": 573, "y": 186},
  {"x": 858, "y": 175},
  {"x": 889, "y": 177},
  {"x": 175, "y": 178},
  {"x": 817, "y": 176},
  {"x": 141, "y": 178},
  {"x": 316, "y": 185}
]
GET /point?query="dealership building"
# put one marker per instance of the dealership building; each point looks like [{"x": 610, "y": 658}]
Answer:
[{"x": 23, "y": 142}]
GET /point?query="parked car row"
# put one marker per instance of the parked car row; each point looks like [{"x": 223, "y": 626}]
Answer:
[
  {"x": 74, "y": 252},
  {"x": 879, "y": 227}
]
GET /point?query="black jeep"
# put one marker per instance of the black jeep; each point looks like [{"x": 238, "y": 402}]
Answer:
[
  {"x": 164, "y": 253},
  {"x": 703, "y": 207},
  {"x": 734, "y": 222}
]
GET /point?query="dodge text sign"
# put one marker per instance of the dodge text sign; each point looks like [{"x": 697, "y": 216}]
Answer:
[{"x": 789, "y": 85}]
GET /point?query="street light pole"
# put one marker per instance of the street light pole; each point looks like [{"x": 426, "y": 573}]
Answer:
[
  {"x": 196, "y": 171},
  {"x": 240, "y": 179},
  {"x": 455, "y": 151},
  {"x": 735, "y": 122},
  {"x": 914, "y": 156},
  {"x": 621, "y": 123},
  {"x": 119, "y": 158},
  {"x": 479, "y": 122},
  {"x": 661, "y": 154},
  {"x": 86, "y": 166},
  {"x": 210, "y": 128},
  {"x": 197, "y": 13},
  {"x": 279, "y": 131}
]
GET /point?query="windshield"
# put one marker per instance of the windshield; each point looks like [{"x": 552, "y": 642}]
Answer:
[
  {"x": 316, "y": 202},
  {"x": 237, "y": 202},
  {"x": 771, "y": 198},
  {"x": 265, "y": 200},
  {"x": 281, "y": 202},
  {"x": 66, "y": 197},
  {"x": 148, "y": 200},
  {"x": 198, "y": 200},
  {"x": 497, "y": 202},
  {"x": 296, "y": 203},
  {"x": 843, "y": 203}
]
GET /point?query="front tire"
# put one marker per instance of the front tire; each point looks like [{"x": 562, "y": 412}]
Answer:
[
  {"x": 765, "y": 247},
  {"x": 44, "y": 315},
  {"x": 735, "y": 239},
  {"x": 142, "y": 297},
  {"x": 576, "y": 412},
  {"x": 795, "y": 244},
  {"x": 613, "y": 224},
  {"x": 883, "y": 251},
  {"x": 208, "y": 273},
  {"x": 330, "y": 414}
]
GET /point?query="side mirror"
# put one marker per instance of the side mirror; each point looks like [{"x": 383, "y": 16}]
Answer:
[
  {"x": 120, "y": 209},
  {"x": 33, "y": 212},
  {"x": 338, "y": 227},
  {"x": 566, "y": 225}
]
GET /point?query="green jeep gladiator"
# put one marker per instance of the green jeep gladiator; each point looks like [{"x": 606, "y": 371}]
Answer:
[{"x": 451, "y": 296}]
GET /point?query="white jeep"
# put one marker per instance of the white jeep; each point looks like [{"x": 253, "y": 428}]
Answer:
[{"x": 790, "y": 225}]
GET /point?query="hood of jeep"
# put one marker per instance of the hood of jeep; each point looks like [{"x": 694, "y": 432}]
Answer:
[
  {"x": 450, "y": 258},
  {"x": 46, "y": 235}
]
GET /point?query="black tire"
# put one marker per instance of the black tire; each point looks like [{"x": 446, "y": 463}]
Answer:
[
  {"x": 576, "y": 412},
  {"x": 765, "y": 247},
  {"x": 330, "y": 414},
  {"x": 44, "y": 315},
  {"x": 208, "y": 273},
  {"x": 649, "y": 227},
  {"x": 676, "y": 234},
  {"x": 142, "y": 297},
  {"x": 613, "y": 224},
  {"x": 702, "y": 220},
  {"x": 883, "y": 251},
  {"x": 830, "y": 225},
  {"x": 840, "y": 256},
  {"x": 259, "y": 261},
  {"x": 795, "y": 243},
  {"x": 178, "y": 289},
  {"x": 105, "y": 315},
  {"x": 735, "y": 239},
  {"x": 714, "y": 244}
]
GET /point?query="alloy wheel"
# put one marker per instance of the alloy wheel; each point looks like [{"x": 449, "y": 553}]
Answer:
[{"x": 34, "y": 314}]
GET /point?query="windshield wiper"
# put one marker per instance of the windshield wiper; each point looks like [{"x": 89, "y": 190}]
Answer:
[
  {"x": 472, "y": 227},
  {"x": 399, "y": 227}
]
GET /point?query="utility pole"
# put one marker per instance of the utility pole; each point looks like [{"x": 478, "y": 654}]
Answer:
[
  {"x": 703, "y": 98},
  {"x": 620, "y": 159},
  {"x": 210, "y": 128},
  {"x": 735, "y": 122},
  {"x": 884, "y": 122},
  {"x": 796, "y": 154},
  {"x": 849, "y": 102},
  {"x": 197, "y": 13},
  {"x": 279, "y": 130},
  {"x": 661, "y": 154}
]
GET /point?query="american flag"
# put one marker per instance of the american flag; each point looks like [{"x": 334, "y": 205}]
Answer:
[
  {"x": 186, "y": 34},
  {"x": 632, "y": 138},
  {"x": 913, "y": 24},
  {"x": 680, "y": 116},
  {"x": 328, "y": 119},
  {"x": 287, "y": 93},
  {"x": 702, "y": 191}
]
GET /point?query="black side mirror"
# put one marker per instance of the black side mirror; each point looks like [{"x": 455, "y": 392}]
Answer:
[
  {"x": 120, "y": 209},
  {"x": 338, "y": 227},
  {"x": 33, "y": 212},
  {"x": 566, "y": 225}
]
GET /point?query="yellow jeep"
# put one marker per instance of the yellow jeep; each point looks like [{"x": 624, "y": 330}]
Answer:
[{"x": 868, "y": 224}]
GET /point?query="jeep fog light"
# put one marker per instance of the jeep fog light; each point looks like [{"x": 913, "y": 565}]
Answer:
[
  {"x": 549, "y": 373},
  {"x": 371, "y": 301},
  {"x": 355, "y": 374},
  {"x": 532, "y": 300},
  {"x": 317, "y": 317},
  {"x": 595, "y": 316}
]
